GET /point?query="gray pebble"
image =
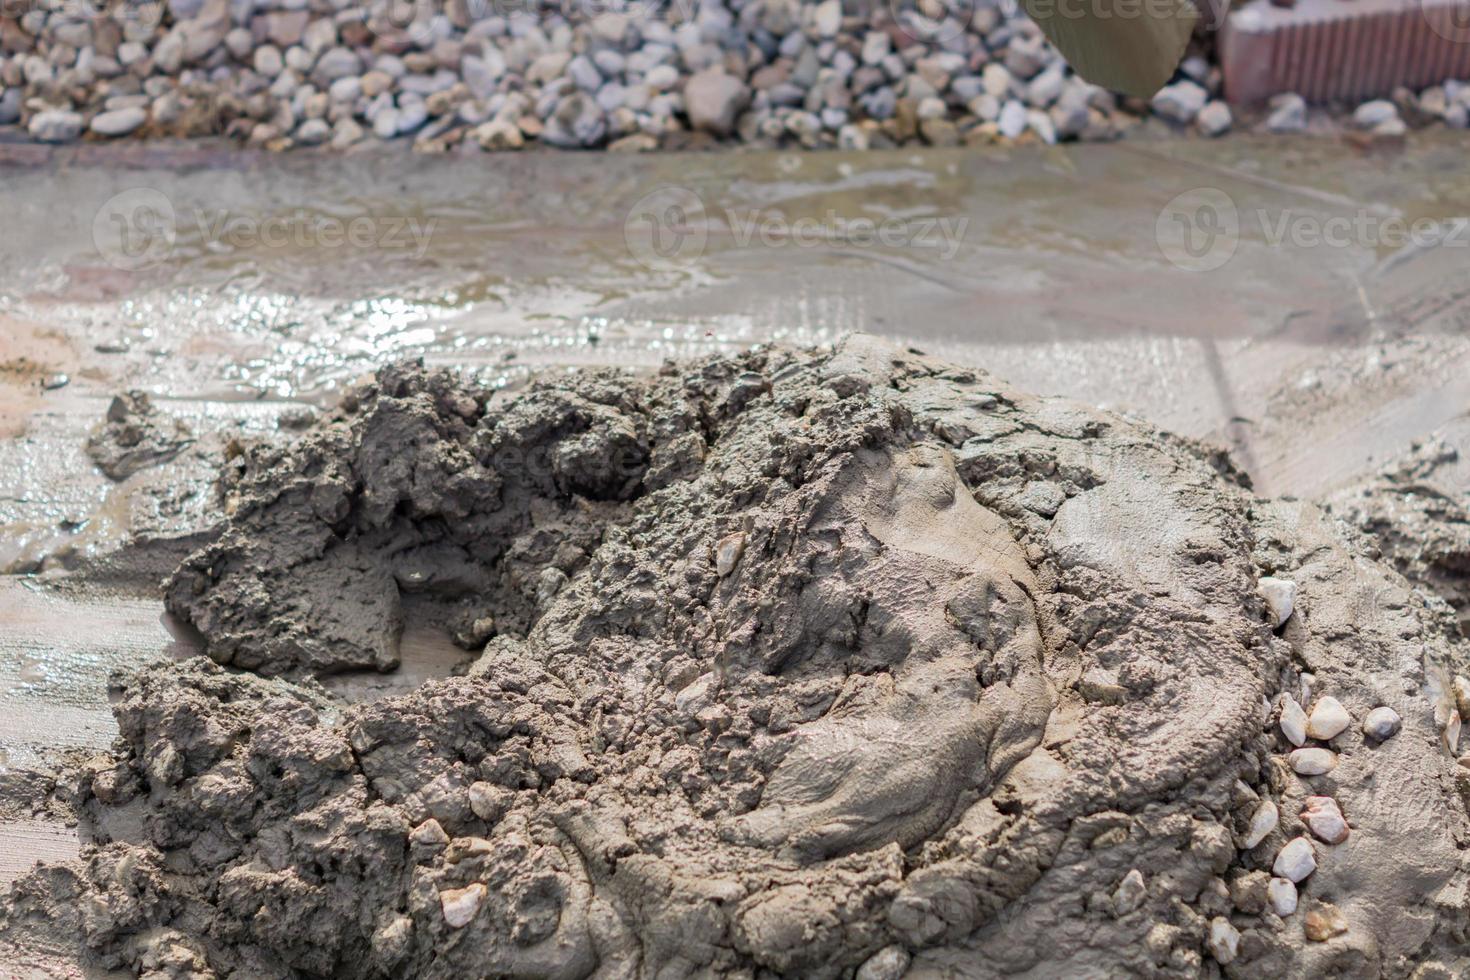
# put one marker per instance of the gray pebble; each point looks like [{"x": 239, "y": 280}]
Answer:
[
  {"x": 118, "y": 122},
  {"x": 55, "y": 126}
]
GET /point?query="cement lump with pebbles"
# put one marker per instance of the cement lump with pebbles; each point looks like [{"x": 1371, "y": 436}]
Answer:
[{"x": 793, "y": 664}]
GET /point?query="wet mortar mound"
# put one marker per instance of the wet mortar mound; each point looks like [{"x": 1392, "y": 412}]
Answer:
[{"x": 811, "y": 664}]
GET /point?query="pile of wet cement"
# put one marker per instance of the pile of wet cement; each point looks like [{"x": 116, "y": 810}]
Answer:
[{"x": 801, "y": 664}]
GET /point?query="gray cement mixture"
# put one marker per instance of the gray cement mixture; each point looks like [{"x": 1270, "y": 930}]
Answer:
[{"x": 825, "y": 664}]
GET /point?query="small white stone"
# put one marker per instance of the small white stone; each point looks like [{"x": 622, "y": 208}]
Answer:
[
  {"x": 1452, "y": 733},
  {"x": 1374, "y": 113},
  {"x": 488, "y": 801},
  {"x": 1281, "y": 893},
  {"x": 1293, "y": 721},
  {"x": 429, "y": 833},
  {"x": 1324, "y": 922},
  {"x": 827, "y": 18},
  {"x": 1296, "y": 861},
  {"x": 118, "y": 122},
  {"x": 1313, "y": 762},
  {"x": 1214, "y": 119},
  {"x": 1224, "y": 940},
  {"x": 1263, "y": 821},
  {"x": 1324, "y": 818},
  {"x": 1280, "y": 596},
  {"x": 889, "y": 963},
  {"x": 463, "y": 848},
  {"x": 727, "y": 553},
  {"x": 1130, "y": 892},
  {"x": 696, "y": 694},
  {"x": 1382, "y": 723},
  {"x": 1328, "y": 719},
  {"x": 461, "y": 905},
  {"x": 1180, "y": 102}
]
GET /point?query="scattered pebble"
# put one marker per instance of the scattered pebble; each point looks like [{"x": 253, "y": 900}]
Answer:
[
  {"x": 1224, "y": 941},
  {"x": 1324, "y": 922},
  {"x": 889, "y": 963},
  {"x": 1382, "y": 723},
  {"x": 1288, "y": 114},
  {"x": 1263, "y": 821},
  {"x": 1324, "y": 818},
  {"x": 1281, "y": 893},
  {"x": 728, "y": 552},
  {"x": 1295, "y": 861},
  {"x": 461, "y": 905},
  {"x": 464, "y": 848},
  {"x": 1328, "y": 719},
  {"x": 712, "y": 100},
  {"x": 1214, "y": 119},
  {"x": 429, "y": 834},
  {"x": 118, "y": 122},
  {"x": 566, "y": 75},
  {"x": 1313, "y": 762},
  {"x": 53, "y": 381},
  {"x": 55, "y": 126},
  {"x": 1293, "y": 721},
  {"x": 1374, "y": 113},
  {"x": 1180, "y": 102},
  {"x": 1280, "y": 596},
  {"x": 1130, "y": 893},
  {"x": 488, "y": 801}
]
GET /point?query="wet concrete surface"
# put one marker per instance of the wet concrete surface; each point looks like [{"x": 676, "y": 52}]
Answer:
[{"x": 234, "y": 289}]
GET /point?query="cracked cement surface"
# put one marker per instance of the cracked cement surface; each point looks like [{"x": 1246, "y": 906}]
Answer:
[{"x": 816, "y": 664}]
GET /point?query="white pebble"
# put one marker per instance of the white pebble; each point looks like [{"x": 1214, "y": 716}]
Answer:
[
  {"x": 1382, "y": 723},
  {"x": 727, "y": 553},
  {"x": 1224, "y": 940},
  {"x": 889, "y": 963},
  {"x": 1452, "y": 733},
  {"x": 1313, "y": 762},
  {"x": 1293, "y": 721},
  {"x": 1296, "y": 861},
  {"x": 429, "y": 833},
  {"x": 1280, "y": 596},
  {"x": 1281, "y": 893},
  {"x": 1328, "y": 719},
  {"x": 1263, "y": 821},
  {"x": 1130, "y": 892},
  {"x": 461, "y": 905},
  {"x": 1324, "y": 818}
]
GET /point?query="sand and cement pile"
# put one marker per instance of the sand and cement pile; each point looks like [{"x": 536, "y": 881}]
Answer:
[{"x": 836, "y": 664}]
